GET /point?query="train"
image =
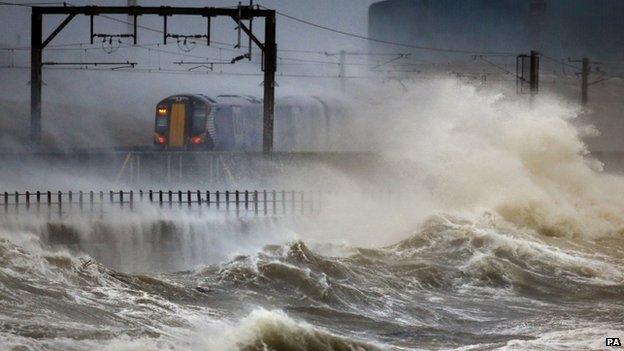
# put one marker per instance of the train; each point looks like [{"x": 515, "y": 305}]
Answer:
[{"x": 234, "y": 123}]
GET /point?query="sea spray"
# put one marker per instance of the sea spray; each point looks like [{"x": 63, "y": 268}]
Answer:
[
  {"x": 459, "y": 149},
  {"x": 151, "y": 240}
]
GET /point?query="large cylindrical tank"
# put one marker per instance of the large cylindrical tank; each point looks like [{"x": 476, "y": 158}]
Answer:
[{"x": 559, "y": 28}]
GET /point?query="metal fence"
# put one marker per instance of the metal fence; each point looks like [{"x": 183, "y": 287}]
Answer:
[{"x": 230, "y": 202}]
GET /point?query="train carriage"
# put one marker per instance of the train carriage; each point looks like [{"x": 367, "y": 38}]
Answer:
[
  {"x": 196, "y": 122},
  {"x": 301, "y": 124},
  {"x": 234, "y": 123}
]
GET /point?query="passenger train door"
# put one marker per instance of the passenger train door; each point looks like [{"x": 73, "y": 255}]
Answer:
[{"x": 176, "y": 125}]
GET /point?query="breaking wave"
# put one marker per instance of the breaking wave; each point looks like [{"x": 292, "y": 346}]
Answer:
[
  {"x": 455, "y": 282},
  {"x": 472, "y": 151}
]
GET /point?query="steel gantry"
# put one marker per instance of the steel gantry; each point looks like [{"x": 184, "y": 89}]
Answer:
[{"x": 238, "y": 14}]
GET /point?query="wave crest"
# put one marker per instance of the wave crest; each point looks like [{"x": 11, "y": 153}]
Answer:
[{"x": 274, "y": 330}]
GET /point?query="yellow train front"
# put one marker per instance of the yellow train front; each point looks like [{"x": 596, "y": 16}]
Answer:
[
  {"x": 184, "y": 122},
  {"x": 234, "y": 123}
]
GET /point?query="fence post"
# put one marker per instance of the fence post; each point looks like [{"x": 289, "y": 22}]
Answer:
[
  {"x": 170, "y": 198},
  {"x": 237, "y": 203},
  {"x": 6, "y": 202},
  {"x": 27, "y": 200},
  {"x": 188, "y": 198},
  {"x": 180, "y": 197},
  {"x": 80, "y": 199},
  {"x": 151, "y": 196},
  {"x": 91, "y": 201},
  {"x": 131, "y": 200},
  {"x": 60, "y": 204},
  {"x": 255, "y": 200},
  {"x": 121, "y": 200},
  {"x": 160, "y": 198},
  {"x": 49, "y": 196},
  {"x": 141, "y": 195},
  {"x": 208, "y": 198},
  {"x": 70, "y": 199},
  {"x": 283, "y": 201},
  {"x": 274, "y": 202},
  {"x": 101, "y": 203},
  {"x": 264, "y": 201},
  {"x": 110, "y": 194},
  {"x": 246, "y": 200},
  {"x": 227, "y": 201},
  {"x": 16, "y": 202},
  {"x": 217, "y": 199},
  {"x": 38, "y": 201}
]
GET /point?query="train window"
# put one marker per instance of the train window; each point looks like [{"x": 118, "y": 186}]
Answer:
[
  {"x": 161, "y": 121},
  {"x": 199, "y": 118},
  {"x": 237, "y": 120}
]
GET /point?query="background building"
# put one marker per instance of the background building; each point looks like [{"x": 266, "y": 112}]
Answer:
[{"x": 559, "y": 28}]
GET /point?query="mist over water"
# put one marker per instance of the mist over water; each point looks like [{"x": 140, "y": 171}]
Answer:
[{"x": 491, "y": 227}]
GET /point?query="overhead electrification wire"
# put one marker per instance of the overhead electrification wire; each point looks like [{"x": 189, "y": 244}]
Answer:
[
  {"x": 420, "y": 47},
  {"x": 103, "y": 16},
  {"x": 226, "y": 46},
  {"x": 29, "y": 4},
  {"x": 194, "y": 73},
  {"x": 412, "y": 46},
  {"x": 503, "y": 69},
  {"x": 562, "y": 62},
  {"x": 222, "y": 45}
]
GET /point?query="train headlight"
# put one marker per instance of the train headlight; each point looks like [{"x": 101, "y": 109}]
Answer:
[{"x": 162, "y": 111}]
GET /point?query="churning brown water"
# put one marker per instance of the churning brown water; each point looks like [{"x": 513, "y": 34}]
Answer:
[{"x": 507, "y": 237}]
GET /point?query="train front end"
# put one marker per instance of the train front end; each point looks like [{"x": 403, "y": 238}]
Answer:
[{"x": 182, "y": 123}]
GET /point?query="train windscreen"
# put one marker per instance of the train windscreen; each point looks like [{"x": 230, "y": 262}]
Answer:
[
  {"x": 200, "y": 118},
  {"x": 161, "y": 121}
]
